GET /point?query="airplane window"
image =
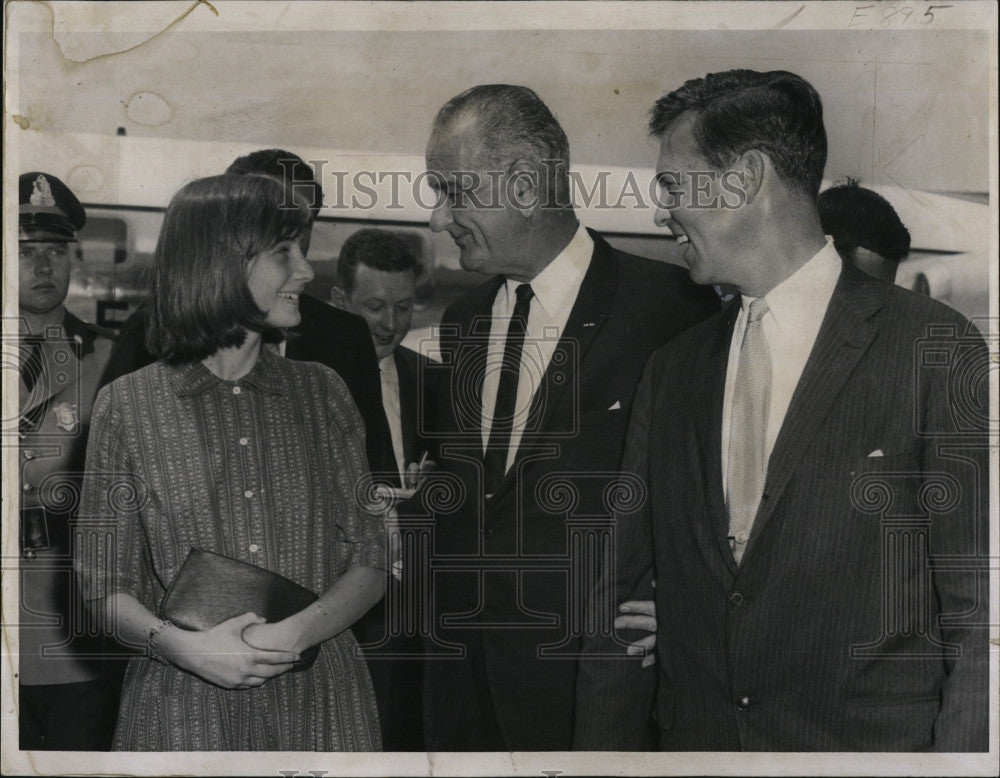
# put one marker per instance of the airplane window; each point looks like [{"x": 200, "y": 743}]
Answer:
[{"x": 103, "y": 240}]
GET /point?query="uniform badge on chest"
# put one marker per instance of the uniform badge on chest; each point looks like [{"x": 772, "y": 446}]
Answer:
[{"x": 67, "y": 416}]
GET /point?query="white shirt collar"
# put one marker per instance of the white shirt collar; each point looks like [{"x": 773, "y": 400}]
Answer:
[
  {"x": 555, "y": 287},
  {"x": 805, "y": 291},
  {"x": 387, "y": 366}
]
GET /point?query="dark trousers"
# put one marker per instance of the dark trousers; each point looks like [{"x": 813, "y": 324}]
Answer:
[
  {"x": 68, "y": 716},
  {"x": 459, "y": 713}
]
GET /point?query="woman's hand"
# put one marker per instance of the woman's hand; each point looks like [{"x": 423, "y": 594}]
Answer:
[
  {"x": 279, "y": 636},
  {"x": 338, "y": 608},
  {"x": 221, "y": 656}
]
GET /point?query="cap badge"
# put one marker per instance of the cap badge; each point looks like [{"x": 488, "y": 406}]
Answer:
[{"x": 42, "y": 193}]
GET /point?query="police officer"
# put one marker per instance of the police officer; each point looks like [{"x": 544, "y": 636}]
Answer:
[{"x": 66, "y": 702}]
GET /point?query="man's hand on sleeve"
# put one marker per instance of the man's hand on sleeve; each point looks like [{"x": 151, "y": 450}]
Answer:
[{"x": 640, "y": 615}]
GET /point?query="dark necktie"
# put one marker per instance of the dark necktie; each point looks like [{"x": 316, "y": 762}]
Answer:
[{"x": 495, "y": 458}]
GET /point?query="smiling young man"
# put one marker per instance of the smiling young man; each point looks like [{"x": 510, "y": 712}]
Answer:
[
  {"x": 540, "y": 363},
  {"x": 60, "y": 359},
  {"x": 791, "y": 446},
  {"x": 377, "y": 280}
]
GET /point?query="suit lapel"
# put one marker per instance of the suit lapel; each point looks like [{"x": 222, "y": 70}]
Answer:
[
  {"x": 466, "y": 349},
  {"x": 713, "y": 538},
  {"x": 587, "y": 316},
  {"x": 844, "y": 337}
]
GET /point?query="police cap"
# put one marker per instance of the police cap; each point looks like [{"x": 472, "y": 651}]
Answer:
[{"x": 48, "y": 210}]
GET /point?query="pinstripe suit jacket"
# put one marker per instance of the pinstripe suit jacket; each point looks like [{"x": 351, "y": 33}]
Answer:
[{"x": 857, "y": 619}]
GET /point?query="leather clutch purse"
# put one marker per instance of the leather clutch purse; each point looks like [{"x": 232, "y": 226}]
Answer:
[{"x": 210, "y": 588}]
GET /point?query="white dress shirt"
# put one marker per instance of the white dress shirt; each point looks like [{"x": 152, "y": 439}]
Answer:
[
  {"x": 796, "y": 308},
  {"x": 555, "y": 290},
  {"x": 391, "y": 404}
]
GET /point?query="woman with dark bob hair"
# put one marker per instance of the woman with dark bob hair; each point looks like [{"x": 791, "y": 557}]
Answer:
[{"x": 224, "y": 446}]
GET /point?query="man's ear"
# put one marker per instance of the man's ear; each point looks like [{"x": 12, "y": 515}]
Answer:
[
  {"x": 338, "y": 298},
  {"x": 523, "y": 187},
  {"x": 753, "y": 167}
]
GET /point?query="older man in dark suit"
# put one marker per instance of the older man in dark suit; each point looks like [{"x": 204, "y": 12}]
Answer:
[
  {"x": 540, "y": 364},
  {"x": 816, "y": 466}
]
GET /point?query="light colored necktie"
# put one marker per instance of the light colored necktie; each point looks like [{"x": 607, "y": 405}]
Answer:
[{"x": 748, "y": 429}]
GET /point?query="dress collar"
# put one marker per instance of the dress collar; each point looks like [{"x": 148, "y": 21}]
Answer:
[{"x": 269, "y": 374}]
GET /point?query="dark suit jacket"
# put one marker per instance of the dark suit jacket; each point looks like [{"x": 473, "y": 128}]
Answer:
[
  {"x": 328, "y": 335},
  {"x": 341, "y": 340},
  {"x": 856, "y": 620},
  {"x": 502, "y": 574},
  {"x": 394, "y": 659}
]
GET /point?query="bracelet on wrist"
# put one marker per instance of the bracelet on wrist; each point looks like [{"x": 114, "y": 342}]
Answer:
[{"x": 151, "y": 636}]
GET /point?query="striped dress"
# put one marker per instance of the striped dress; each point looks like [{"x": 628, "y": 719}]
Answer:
[{"x": 263, "y": 469}]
